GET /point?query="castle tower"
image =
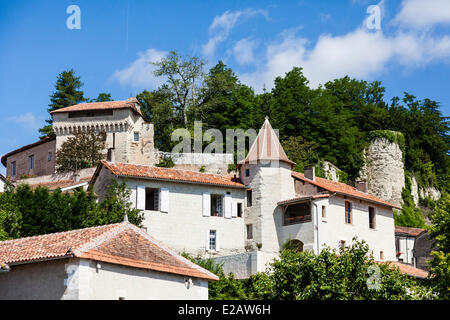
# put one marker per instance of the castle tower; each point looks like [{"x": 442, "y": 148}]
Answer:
[{"x": 267, "y": 172}]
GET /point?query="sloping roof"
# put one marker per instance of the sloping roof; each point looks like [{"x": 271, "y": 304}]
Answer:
[
  {"x": 409, "y": 230},
  {"x": 266, "y": 147},
  {"x": 120, "y": 243},
  {"x": 63, "y": 184},
  {"x": 343, "y": 189},
  {"x": 131, "y": 103},
  {"x": 407, "y": 269},
  {"x": 28, "y": 146},
  {"x": 170, "y": 174},
  {"x": 302, "y": 198}
]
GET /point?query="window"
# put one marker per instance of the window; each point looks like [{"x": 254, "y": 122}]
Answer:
[
  {"x": 136, "y": 136},
  {"x": 342, "y": 243},
  {"x": 247, "y": 172},
  {"x": 249, "y": 198},
  {"x": 13, "y": 168},
  {"x": 371, "y": 218},
  {"x": 239, "y": 210},
  {"x": 216, "y": 205},
  {"x": 297, "y": 213},
  {"x": 381, "y": 255},
  {"x": 249, "y": 231},
  {"x": 50, "y": 156},
  {"x": 324, "y": 212},
  {"x": 212, "y": 240},
  {"x": 348, "y": 212},
  {"x": 151, "y": 199},
  {"x": 31, "y": 161}
]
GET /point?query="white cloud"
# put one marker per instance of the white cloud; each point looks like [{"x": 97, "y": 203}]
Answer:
[
  {"x": 221, "y": 26},
  {"x": 361, "y": 54},
  {"x": 139, "y": 74},
  {"x": 28, "y": 120},
  {"x": 420, "y": 14},
  {"x": 243, "y": 51}
]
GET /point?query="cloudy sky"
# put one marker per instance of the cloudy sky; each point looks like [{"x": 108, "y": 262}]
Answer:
[{"x": 403, "y": 43}]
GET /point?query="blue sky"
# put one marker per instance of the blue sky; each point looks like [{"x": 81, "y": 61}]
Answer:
[{"x": 259, "y": 40}]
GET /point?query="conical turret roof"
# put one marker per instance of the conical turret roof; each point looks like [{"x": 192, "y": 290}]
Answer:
[{"x": 266, "y": 147}]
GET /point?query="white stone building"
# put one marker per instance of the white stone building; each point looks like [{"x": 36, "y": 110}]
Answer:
[
  {"x": 244, "y": 221},
  {"x": 110, "y": 262}
]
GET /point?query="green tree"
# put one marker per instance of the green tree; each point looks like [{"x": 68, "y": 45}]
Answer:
[
  {"x": 83, "y": 150},
  {"x": 184, "y": 76},
  {"x": 67, "y": 93},
  {"x": 302, "y": 152},
  {"x": 439, "y": 232},
  {"x": 331, "y": 275},
  {"x": 227, "y": 287}
]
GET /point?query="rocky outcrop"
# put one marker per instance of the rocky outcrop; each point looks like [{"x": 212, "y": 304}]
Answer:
[{"x": 384, "y": 169}]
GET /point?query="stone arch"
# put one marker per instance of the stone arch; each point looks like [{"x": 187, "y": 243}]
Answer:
[{"x": 294, "y": 244}]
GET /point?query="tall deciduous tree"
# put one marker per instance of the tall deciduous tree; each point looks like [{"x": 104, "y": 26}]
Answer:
[
  {"x": 184, "y": 77},
  {"x": 67, "y": 93},
  {"x": 83, "y": 150}
]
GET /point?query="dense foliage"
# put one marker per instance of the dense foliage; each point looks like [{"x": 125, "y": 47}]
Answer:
[
  {"x": 26, "y": 212},
  {"x": 337, "y": 119},
  {"x": 347, "y": 274},
  {"x": 440, "y": 263}
]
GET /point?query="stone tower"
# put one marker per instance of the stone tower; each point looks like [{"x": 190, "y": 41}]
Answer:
[
  {"x": 384, "y": 169},
  {"x": 267, "y": 172}
]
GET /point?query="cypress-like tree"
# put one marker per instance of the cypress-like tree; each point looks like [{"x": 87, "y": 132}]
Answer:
[{"x": 67, "y": 93}]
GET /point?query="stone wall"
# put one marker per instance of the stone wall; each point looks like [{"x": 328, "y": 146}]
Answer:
[
  {"x": 212, "y": 162},
  {"x": 43, "y": 163},
  {"x": 384, "y": 170}
]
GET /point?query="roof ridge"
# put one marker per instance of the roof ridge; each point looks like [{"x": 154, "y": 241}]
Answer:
[
  {"x": 93, "y": 243},
  {"x": 163, "y": 168},
  {"x": 172, "y": 252},
  {"x": 59, "y": 233}
]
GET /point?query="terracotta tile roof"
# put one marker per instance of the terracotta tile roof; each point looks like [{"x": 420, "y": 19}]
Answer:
[
  {"x": 266, "y": 147},
  {"x": 131, "y": 103},
  {"x": 120, "y": 243},
  {"x": 170, "y": 174},
  {"x": 407, "y": 269},
  {"x": 28, "y": 146},
  {"x": 53, "y": 185},
  {"x": 409, "y": 230},
  {"x": 300, "y": 198},
  {"x": 342, "y": 188}
]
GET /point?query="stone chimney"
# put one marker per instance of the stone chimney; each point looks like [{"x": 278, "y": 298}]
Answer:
[
  {"x": 361, "y": 186},
  {"x": 310, "y": 173}
]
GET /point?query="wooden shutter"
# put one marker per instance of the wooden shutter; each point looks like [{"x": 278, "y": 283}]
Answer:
[
  {"x": 234, "y": 209},
  {"x": 206, "y": 205},
  {"x": 217, "y": 241},
  {"x": 207, "y": 240},
  {"x": 228, "y": 205},
  {"x": 140, "y": 197},
  {"x": 164, "y": 200}
]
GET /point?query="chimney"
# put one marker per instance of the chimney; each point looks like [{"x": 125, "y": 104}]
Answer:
[
  {"x": 76, "y": 177},
  {"x": 310, "y": 173},
  {"x": 361, "y": 186}
]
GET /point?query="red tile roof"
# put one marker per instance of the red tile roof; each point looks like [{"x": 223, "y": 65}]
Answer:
[
  {"x": 53, "y": 185},
  {"x": 409, "y": 230},
  {"x": 266, "y": 147},
  {"x": 120, "y": 243},
  {"x": 170, "y": 174},
  {"x": 300, "y": 198},
  {"x": 131, "y": 103},
  {"x": 28, "y": 146},
  {"x": 342, "y": 188},
  {"x": 407, "y": 269}
]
